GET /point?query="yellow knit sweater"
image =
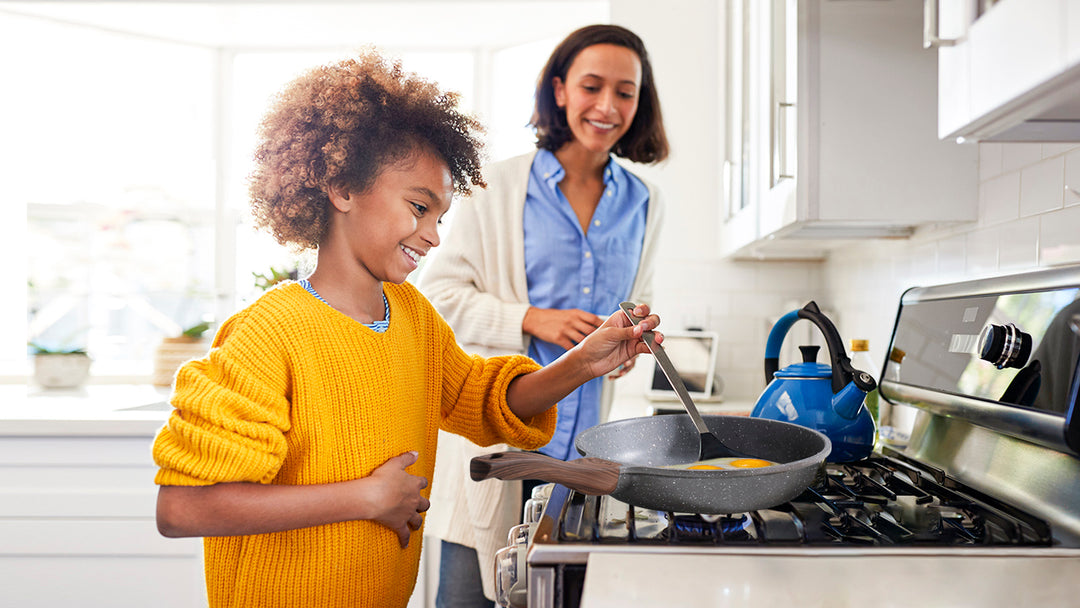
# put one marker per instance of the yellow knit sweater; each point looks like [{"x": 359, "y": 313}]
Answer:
[{"x": 296, "y": 393}]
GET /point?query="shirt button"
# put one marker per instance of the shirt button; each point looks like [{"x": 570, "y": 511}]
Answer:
[
  {"x": 611, "y": 193},
  {"x": 547, "y": 175},
  {"x": 588, "y": 254},
  {"x": 596, "y": 222},
  {"x": 586, "y": 290}
]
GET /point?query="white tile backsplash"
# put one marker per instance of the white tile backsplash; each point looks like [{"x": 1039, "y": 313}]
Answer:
[
  {"x": 1018, "y": 248},
  {"x": 1072, "y": 178},
  {"x": 1059, "y": 237},
  {"x": 981, "y": 251},
  {"x": 1042, "y": 186},
  {"x": 999, "y": 199},
  {"x": 1018, "y": 156},
  {"x": 990, "y": 160}
]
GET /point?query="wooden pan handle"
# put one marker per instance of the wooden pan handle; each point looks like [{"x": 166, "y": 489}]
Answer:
[{"x": 594, "y": 476}]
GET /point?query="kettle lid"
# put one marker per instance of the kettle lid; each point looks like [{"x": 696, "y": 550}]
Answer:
[
  {"x": 805, "y": 370},
  {"x": 809, "y": 368}
]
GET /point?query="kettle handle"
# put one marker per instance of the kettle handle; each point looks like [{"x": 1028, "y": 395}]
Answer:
[{"x": 842, "y": 371}]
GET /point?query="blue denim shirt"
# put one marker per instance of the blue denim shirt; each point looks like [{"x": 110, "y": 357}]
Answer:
[{"x": 567, "y": 268}]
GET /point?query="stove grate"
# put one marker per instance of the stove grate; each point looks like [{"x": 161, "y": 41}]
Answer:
[{"x": 876, "y": 501}]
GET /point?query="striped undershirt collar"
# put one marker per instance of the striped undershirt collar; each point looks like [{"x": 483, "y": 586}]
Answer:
[{"x": 378, "y": 326}]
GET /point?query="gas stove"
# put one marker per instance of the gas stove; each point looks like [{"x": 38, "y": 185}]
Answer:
[
  {"x": 972, "y": 500},
  {"x": 880, "y": 501}
]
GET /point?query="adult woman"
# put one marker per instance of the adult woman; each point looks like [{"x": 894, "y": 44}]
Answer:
[{"x": 531, "y": 265}]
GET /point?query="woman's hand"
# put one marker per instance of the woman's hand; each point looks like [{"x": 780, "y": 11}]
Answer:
[
  {"x": 566, "y": 328},
  {"x": 394, "y": 496}
]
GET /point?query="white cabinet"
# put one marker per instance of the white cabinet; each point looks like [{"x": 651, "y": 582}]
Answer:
[
  {"x": 77, "y": 527},
  {"x": 1011, "y": 73},
  {"x": 832, "y": 129}
]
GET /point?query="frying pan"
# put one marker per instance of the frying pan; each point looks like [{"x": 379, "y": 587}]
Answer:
[{"x": 623, "y": 459}]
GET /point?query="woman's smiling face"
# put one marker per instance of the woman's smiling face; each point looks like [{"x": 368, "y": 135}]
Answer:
[{"x": 600, "y": 95}]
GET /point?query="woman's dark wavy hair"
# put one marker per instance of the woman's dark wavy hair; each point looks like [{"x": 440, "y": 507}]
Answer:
[
  {"x": 340, "y": 125},
  {"x": 645, "y": 141}
]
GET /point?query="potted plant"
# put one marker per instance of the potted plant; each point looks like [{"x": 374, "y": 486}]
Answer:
[
  {"x": 265, "y": 281},
  {"x": 174, "y": 351},
  {"x": 60, "y": 367}
]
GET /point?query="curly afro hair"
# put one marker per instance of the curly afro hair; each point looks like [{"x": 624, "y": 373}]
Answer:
[{"x": 339, "y": 125}]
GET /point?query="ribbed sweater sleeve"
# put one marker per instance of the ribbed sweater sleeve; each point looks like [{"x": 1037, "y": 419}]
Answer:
[{"x": 231, "y": 413}]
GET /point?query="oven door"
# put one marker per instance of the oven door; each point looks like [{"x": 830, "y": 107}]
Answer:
[{"x": 805, "y": 577}]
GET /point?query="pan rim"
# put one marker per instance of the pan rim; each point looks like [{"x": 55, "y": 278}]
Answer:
[{"x": 800, "y": 465}]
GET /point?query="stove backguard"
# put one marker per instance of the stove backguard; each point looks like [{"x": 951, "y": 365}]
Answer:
[{"x": 1001, "y": 353}]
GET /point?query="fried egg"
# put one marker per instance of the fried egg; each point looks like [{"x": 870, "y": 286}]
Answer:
[{"x": 720, "y": 464}]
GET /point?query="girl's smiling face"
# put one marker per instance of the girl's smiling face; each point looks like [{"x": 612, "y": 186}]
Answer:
[
  {"x": 600, "y": 95},
  {"x": 391, "y": 226}
]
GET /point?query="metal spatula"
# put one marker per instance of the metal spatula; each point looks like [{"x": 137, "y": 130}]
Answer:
[{"x": 711, "y": 446}]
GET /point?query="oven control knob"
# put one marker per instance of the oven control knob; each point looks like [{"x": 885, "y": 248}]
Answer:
[
  {"x": 1004, "y": 346},
  {"x": 520, "y": 534}
]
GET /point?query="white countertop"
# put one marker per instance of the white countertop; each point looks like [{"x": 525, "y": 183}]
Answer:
[
  {"x": 94, "y": 410},
  {"x": 141, "y": 409}
]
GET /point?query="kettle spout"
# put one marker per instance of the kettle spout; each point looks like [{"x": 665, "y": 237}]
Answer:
[{"x": 848, "y": 401}]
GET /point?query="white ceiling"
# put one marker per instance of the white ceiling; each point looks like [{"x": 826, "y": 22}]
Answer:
[{"x": 324, "y": 24}]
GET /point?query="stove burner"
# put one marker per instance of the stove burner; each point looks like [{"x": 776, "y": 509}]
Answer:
[{"x": 697, "y": 528}]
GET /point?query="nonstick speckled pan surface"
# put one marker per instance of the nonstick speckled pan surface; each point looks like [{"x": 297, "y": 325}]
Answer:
[{"x": 643, "y": 445}]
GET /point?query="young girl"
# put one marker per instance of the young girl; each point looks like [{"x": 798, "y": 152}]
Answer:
[
  {"x": 533, "y": 263},
  {"x": 302, "y": 444}
]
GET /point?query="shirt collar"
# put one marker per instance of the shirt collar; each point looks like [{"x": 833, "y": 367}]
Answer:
[{"x": 551, "y": 171}]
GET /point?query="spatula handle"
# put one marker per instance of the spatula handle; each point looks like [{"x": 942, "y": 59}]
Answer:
[{"x": 594, "y": 476}]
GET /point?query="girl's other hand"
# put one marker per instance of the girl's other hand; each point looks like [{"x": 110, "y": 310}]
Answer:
[
  {"x": 567, "y": 328},
  {"x": 394, "y": 496}
]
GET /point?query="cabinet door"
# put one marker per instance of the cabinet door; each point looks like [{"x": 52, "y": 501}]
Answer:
[
  {"x": 954, "y": 66},
  {"x": 781, "y": 104},
  {"x": 763, "y": 124},
  {"x": 1072, "y": 33},
  {"x": 1014, "y": 47},
  {"x": 739, "y": 225}
]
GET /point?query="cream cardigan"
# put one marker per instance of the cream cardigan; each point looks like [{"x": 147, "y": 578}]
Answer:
[{"x": 476, "y": 280}]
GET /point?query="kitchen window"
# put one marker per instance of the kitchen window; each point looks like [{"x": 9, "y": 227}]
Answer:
[{"x": 124, "y": 213}]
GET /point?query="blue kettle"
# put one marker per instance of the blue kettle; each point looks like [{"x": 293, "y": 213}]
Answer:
[{"x": 825, "y": 398}]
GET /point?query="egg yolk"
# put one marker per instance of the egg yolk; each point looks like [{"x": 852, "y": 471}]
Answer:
[
  {"x": 708, "y": 467},
  {"x": 750, "y": 463}
]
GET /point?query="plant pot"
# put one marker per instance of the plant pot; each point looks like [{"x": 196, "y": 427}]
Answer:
[
  {"x": 174, "y": 352},
  {"x": 61, "y": 370}
]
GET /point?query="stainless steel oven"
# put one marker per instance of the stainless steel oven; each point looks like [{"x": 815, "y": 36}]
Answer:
[{"x": 975, "y": 503}]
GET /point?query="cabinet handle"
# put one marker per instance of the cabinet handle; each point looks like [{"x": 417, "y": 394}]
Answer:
[
  {"x": 780, "y": 158},
  {"x": 1073, "y": 191},
  {"x": 930, "y": 27}
]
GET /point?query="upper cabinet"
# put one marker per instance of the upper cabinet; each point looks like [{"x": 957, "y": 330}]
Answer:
[
  {"x": 1008, "y": 70},
  {"x": 832, "y": 129}
]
